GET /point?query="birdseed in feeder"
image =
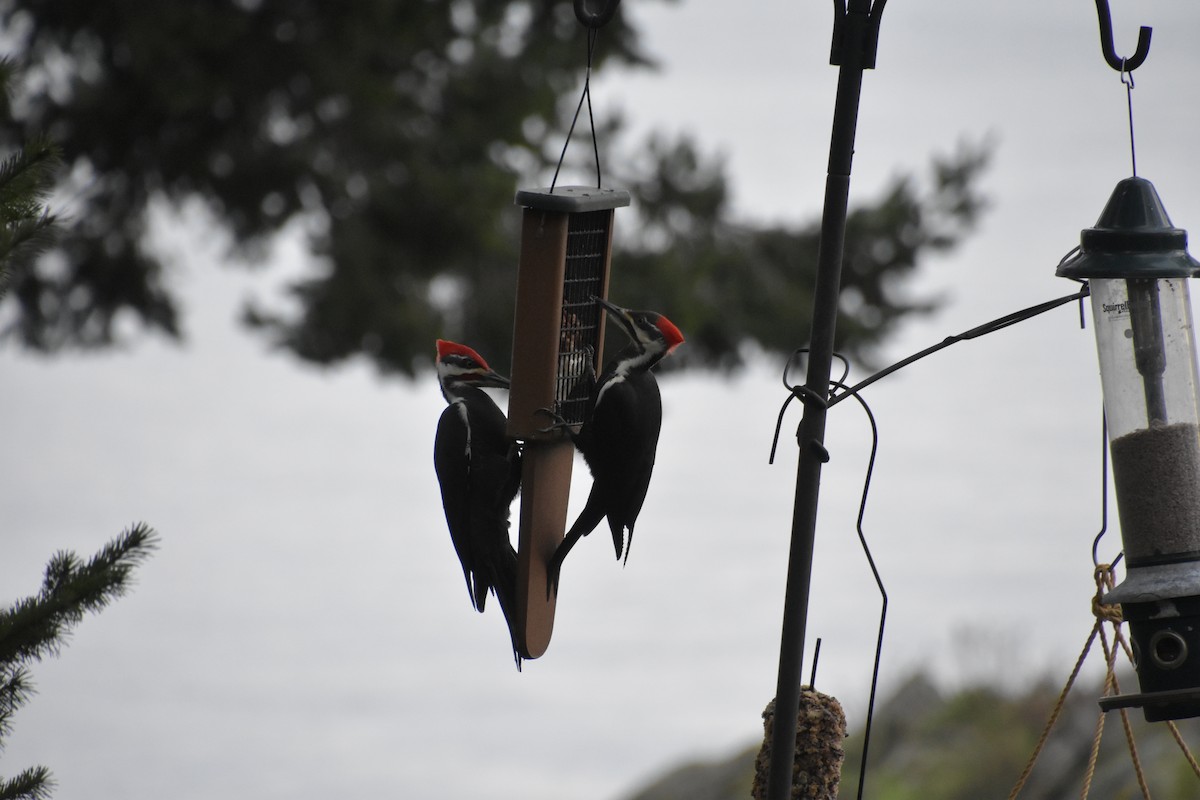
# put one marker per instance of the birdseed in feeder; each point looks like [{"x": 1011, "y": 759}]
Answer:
[{"x": 1157, "y": 523}]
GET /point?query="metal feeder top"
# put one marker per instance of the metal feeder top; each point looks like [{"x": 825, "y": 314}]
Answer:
[
  {"x": 1133, "y": 238},
  {"x": 572, "y": 199}
]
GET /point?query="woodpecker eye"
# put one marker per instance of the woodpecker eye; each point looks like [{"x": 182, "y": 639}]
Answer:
[{"x": 464, "y": 362}]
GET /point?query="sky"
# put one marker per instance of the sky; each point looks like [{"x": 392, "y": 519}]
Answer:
[{"x": 303, "y": 631}]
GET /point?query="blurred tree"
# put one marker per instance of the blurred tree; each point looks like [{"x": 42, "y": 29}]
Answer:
[
  {"x": 399, "y": 132},
  {"x": 26, "y": 178},
  {"x": 37, "y": 626}
]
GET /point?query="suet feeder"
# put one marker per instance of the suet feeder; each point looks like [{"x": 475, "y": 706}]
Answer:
[
  {"x": 558, "y": 338},
  {"x": 1137, "y": 267}
]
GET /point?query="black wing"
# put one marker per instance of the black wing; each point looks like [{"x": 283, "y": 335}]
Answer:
[
  {"x": 621, "y": 446},
  {"x": 453, "y": 466}
]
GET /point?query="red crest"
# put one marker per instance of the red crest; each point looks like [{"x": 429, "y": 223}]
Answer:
[
  {"x": 445, "y": 348},
  {"x": 670, "y": 333}
]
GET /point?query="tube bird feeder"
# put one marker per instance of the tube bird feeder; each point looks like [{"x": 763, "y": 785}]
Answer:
[
  {"x": 1138, "y": 269},
  {"x": 558, "y": 338}
]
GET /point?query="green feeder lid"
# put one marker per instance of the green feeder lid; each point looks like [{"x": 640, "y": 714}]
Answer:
[{"x": 1133, "y": 238}]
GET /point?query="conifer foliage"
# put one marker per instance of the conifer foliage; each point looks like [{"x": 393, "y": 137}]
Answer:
[
  {"x": 392, "y": 136},
  {"x": 26, "y": 178},
  {"x": 36, "y": 627}
]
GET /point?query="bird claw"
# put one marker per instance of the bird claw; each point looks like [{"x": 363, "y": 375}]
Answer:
[
  {"x": 558, "y": 424},
  {"x": 553, "y": 569}
]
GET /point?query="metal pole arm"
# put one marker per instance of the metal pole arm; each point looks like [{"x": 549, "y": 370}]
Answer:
[{"x": 856, "y": 34}]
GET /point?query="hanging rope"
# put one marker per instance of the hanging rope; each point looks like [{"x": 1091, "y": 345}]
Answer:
[
  {"x": 1111, "y": 685},
  {"x": 1102, "y": 613},
  {"x": 1187, "y": 753},
  {"x": 1111, "y": 615}
]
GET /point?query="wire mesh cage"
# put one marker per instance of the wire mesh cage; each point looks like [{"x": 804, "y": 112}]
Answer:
[{"x": 581, "y": 330}]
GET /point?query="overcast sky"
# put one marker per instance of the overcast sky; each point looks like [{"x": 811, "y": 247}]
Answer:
[{"x": 303, "y": 631}]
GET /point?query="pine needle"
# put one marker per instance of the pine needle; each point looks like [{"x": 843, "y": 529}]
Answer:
[
  {"x": 36, "y": 626},
  {"x": 32, "y": 784}
]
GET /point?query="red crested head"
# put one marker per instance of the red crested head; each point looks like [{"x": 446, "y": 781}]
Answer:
[
  {"x": 445, "y": 348},
  {"x": 458, "y": 366}
]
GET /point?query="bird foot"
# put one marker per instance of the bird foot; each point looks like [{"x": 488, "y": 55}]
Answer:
[
  {"x": 558, "y": 424},
  {"x": 553, "y": 569},
  {"x": 552, "y": 581}
]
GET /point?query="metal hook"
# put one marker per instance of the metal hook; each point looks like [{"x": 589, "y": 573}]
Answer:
[
  {"x": 595, "y": 13},
  {"x": 1106, "y": 42}
]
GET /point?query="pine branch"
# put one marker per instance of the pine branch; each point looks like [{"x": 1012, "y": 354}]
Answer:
[
  {"x": 15, "y": 689},
  {"x": 25, "y": 237},
  {"x": 34, "y": 627},
  {"x": 26, "y": 227},
  {"x": 26, "y": 179},
  {"x": 32, "y": 784}
]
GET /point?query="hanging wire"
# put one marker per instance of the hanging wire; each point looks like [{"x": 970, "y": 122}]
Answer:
[
  {"x": 592, "y": 33},
  {"x": 807, "y": 395},
  {"x": 1127, "y": 79},
  {"x": 974, "y": 333},
  {"x": 862, "y": 538},
  {"x": 812, "y": 676},
  {"x": 801, "y": 391},
  {"x": 1103, "y": 497}
]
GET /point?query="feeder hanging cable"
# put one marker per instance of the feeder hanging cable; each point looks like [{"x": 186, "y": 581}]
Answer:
[
  {"x": 1121, "y": 64},
  {"x": 592, "y": 19},
  {"x": 1127, "y": 79}
]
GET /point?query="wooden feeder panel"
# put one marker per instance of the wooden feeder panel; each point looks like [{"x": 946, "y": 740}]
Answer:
[{"x": 558, "y": 338}]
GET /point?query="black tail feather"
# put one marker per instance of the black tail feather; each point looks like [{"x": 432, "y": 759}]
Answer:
[
  {"x": 628, "y": 543},
  {"x": 504, "y": 584},
  {"x": 585, "y": 523}
]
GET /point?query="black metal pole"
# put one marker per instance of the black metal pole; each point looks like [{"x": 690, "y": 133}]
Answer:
[{"x": 855, "y": 36}]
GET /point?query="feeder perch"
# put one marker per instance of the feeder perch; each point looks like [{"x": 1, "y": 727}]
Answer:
[
  {"x": 566, "y": 237},
  {"x": 1137, "y": 267}
]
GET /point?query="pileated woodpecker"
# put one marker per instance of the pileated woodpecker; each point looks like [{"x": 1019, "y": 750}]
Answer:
[
  {"x": 480, "y": 472},
  {"x": 619, "y": 435}
]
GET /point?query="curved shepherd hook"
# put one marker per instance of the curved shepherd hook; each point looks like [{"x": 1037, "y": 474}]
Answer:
[{"x": 1106, "y": 42}]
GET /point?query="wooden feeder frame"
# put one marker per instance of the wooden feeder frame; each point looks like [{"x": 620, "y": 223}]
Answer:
[{"x": 558, "y": 339}]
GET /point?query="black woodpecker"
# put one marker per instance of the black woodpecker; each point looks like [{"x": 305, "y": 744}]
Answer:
[
  {"x": 619, "y": 434},
  {"x": 479, "y": 470}
]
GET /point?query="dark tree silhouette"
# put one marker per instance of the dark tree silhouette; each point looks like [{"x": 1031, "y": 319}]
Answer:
[{"x": 399, "y": 132}]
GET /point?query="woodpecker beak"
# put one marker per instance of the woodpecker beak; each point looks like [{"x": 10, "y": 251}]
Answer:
[
  {"x": 621, "y": 316},
  {"x": 648, "y": 330},
  {"x": 490, "y": 378}
]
